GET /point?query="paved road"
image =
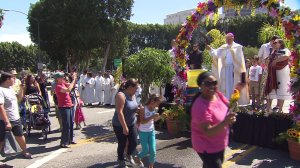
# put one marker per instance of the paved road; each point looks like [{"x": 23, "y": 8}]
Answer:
[{"x": 96, "y": 148}]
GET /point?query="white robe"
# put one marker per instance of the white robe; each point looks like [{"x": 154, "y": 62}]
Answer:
[
  {"x": 114, "y": 93},
  {"x": 80, "y": 84},
  {"x": 228, "y": 65},
  {"x": 89, "y": 90},
  {"x": 107, "y": 85},
  {"x": 99, "y": 94}
]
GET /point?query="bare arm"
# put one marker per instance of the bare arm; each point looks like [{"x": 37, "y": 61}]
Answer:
[
  {"x": 4, "y": 117},
  {"x": 144, "y": 120},
  {"x": 21, "y": 93},
  {"x": 120, "y": 102},
  {"x": 70, "y": 87}
]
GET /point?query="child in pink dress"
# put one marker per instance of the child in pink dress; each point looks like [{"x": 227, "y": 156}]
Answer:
[{"x": 79, "y": 116}]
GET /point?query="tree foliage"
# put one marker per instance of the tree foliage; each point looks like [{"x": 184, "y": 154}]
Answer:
[
  {"x": 71, "y": 29},
  {"x": 218, "y": 39},
  {"x": 150, "y": 66},
  {"x": 245, "y": 28},
  {"x": 15, "y": 55},
  {"x": 156, "y": 36},
  {"x": 267, "y": 31}
]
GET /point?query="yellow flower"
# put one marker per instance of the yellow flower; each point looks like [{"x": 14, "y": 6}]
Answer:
[
  {"x": 296, "y": 18},
  {"x": 236, "y": 95}
]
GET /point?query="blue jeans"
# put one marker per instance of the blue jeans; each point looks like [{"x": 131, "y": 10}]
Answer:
[
  {"x": 67, "y": 129},
  {"x": 148, "y": 143}
]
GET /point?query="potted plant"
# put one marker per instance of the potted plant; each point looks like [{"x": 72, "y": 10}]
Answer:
[
  {"x": 292, "y": 136},
  {"x": 175, "y": 118}
]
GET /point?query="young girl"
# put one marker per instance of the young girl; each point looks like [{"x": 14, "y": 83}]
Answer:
[
  {"x": 79, "y": 116},
  {"x": 147, "y": 116}
]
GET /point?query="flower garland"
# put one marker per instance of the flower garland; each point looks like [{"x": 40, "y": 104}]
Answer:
[{"x": 290, "y": 21}]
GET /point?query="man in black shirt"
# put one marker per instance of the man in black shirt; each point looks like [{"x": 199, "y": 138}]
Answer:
[{"x": 195, "y": 58}]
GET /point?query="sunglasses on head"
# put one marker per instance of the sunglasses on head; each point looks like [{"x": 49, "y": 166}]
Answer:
[{"x": 210, "y": 83}]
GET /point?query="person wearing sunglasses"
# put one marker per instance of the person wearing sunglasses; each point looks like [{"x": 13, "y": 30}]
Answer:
[
  {"x": 278, "y": 79},
  {"x": 210, "y": 121}
]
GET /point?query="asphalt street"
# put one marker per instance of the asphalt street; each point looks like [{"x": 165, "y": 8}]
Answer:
[{"x": 97, "y": 146}]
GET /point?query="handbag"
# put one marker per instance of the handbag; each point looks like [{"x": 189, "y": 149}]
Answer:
[{"x": 10, "y": 147}]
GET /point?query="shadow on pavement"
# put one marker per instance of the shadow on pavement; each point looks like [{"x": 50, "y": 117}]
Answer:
[
  {"x": 104, "y": 165},
  {"x": 99, "y": 133},
  {"x": 269, "y": 158}
]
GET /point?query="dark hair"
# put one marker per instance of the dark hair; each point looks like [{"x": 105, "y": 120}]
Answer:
[
  {"x": 274, "y": 38},
  {"x": 5, "y": 76},
  {"x": 200, "y": 80},
  {"x": 154, "y": 97},
  {"x": 89, "y": 74},
  {"x": 130, "y": 82},
  {"x": 255, "y": 57},
  {"x": 282, "y": 45}
]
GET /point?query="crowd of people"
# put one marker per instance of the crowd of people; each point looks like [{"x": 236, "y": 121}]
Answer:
[{"x": 267, "y": 73}]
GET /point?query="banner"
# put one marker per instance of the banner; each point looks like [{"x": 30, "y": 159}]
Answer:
[{"x": 192, "y": 76}]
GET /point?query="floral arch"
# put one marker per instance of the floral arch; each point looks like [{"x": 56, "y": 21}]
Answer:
[{"x": 290, "y": 20}]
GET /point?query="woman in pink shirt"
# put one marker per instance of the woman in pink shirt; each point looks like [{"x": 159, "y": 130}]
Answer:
[
  {"x": 65, "y": 106},
  {"x": 210, "y": 122}
]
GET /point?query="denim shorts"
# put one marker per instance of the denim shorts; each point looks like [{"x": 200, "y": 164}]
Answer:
[{"x": 17, "y": 129}]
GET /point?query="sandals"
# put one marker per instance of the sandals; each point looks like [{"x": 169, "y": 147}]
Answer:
[{"x": 26, "y": 155}]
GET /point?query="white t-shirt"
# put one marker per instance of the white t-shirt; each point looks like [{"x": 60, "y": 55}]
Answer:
[
  {"x": 254, "y": 73},
  {"x": 149, "y": 126},
  {"x": 9, "y": 99}
]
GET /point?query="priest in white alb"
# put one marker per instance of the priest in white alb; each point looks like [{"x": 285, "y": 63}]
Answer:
[{"x": 229, "y": 67}]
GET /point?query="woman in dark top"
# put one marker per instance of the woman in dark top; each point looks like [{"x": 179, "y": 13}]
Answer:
[
  {"x": 42, "y": 84},
  {"x": 124, "y": 120},
  {"x": 31, "y": 86}
]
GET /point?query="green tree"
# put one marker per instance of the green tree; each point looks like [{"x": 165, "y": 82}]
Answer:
[
  {"x": 249, "y": 52},
  {"x": 267, "y": 31},
  {"x": 149, "y": 66},
  {"x": 151, "y": 35},
  {"x": 218, "y": 39},
  {"x": 15, "y": 55},
  {"x": 245, "y": 28},
  {"x": 71, "y": 29}
]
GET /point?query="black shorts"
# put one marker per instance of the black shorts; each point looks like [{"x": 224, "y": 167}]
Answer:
[{"x": 17, "y": 129}]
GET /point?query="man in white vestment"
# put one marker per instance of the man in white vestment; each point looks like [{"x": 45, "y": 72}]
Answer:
[
  {"x": 89, "y": 89},
  {"x": 230, "y": 67},
  {"x": 81, "y": 83},
  {"x": 99, "y": 94}
]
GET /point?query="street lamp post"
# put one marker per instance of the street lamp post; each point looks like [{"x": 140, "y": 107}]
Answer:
[{"x": 40, "y": 65}]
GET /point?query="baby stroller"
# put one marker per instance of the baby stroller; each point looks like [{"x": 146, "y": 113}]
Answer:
[{"x": 37, "y": 118}]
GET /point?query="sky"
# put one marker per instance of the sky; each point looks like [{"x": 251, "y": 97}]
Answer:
[{"x": 144, "y": 11}]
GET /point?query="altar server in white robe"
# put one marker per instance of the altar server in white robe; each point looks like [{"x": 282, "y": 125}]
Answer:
[
  {"x": 107, "y": 87},
  {"x": 89, "y": 89},
  {"x": 81, "y": 84},
  {"x": 99, "y": 94},
  {"x": 229, "y": 68}
]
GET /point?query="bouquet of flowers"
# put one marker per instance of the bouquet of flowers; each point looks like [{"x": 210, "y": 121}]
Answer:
[{"x": 233, "y": 101}]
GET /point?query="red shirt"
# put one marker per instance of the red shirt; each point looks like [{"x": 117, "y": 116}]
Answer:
[{"x": 63, "y": 99}]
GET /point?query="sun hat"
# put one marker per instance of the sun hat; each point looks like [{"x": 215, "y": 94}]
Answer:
[
  {"x": 13, "y": 71},
  {"x": 58, "y": 75}
]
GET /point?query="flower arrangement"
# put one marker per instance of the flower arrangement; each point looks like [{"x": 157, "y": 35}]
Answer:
[
  {"x": 290, "y": 21},
  {"x": 175, "y": 112}
]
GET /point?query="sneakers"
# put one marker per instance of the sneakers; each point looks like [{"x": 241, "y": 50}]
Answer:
[{"x": 122, "y": 164}]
